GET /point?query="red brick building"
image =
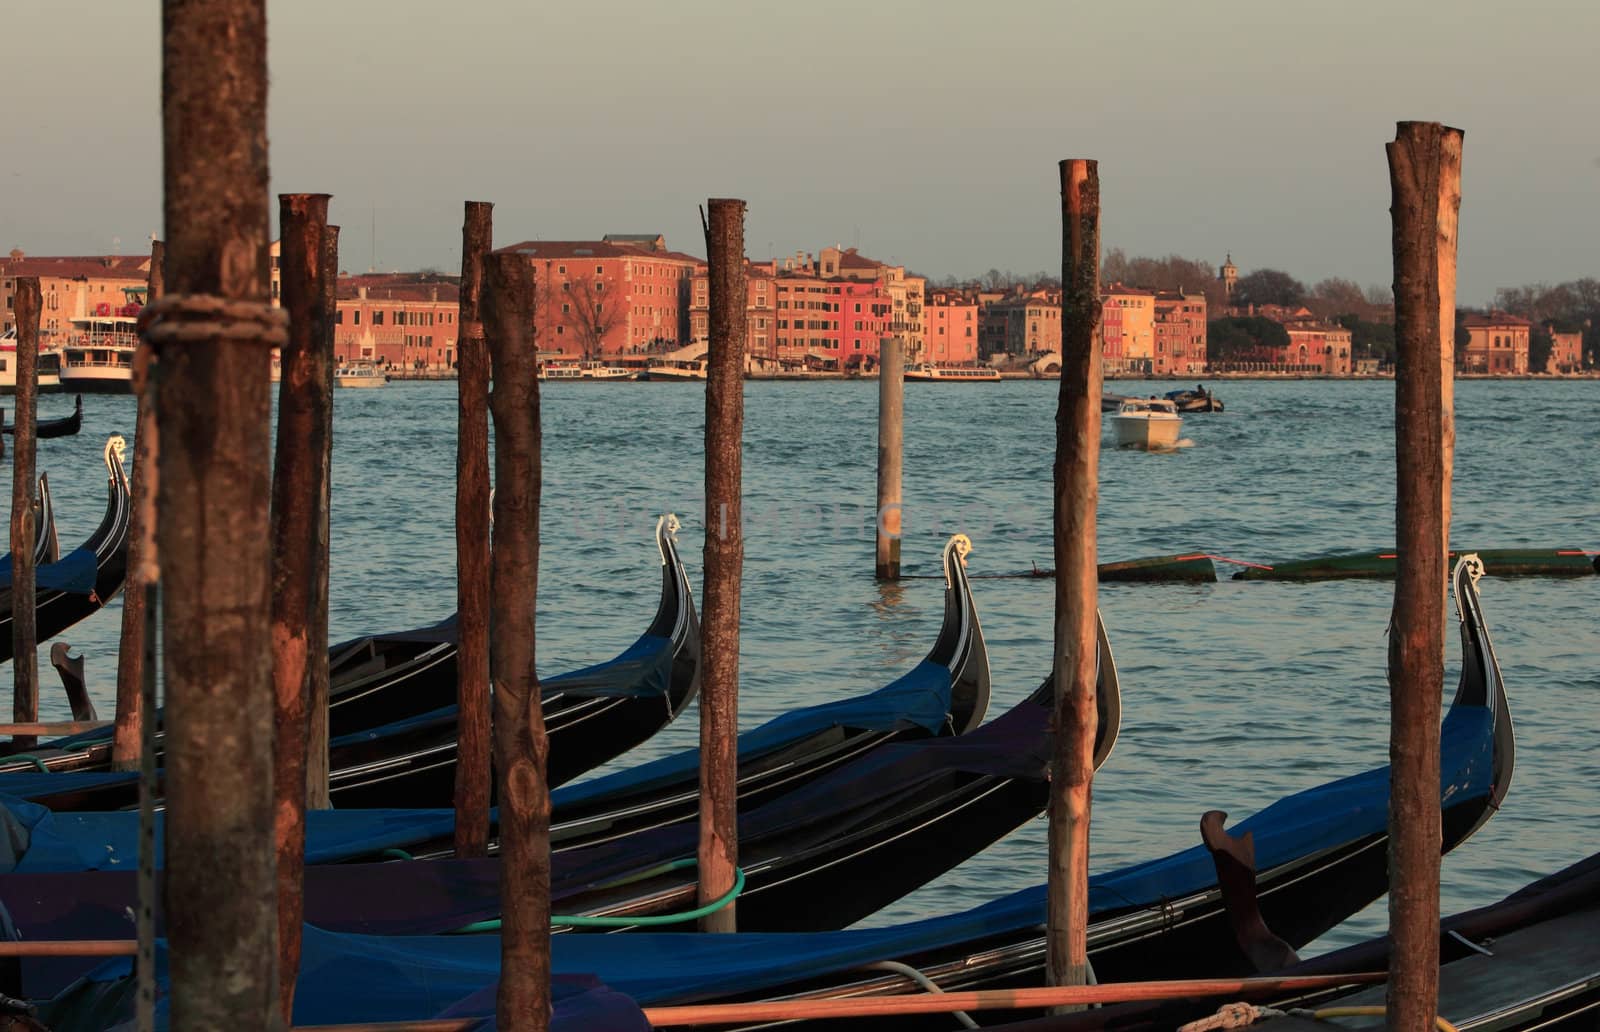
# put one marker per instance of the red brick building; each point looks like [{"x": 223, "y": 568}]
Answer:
[
  {"x": 621, "y": 295},
  {"x": 760, "y": 322},
  {"x": 401, "y": 320}
]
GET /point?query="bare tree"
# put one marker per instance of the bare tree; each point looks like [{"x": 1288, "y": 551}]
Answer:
[{"x": 579, "y": 308}]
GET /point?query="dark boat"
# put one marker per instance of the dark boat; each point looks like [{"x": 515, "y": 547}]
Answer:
[
  {"x": 1197, "y": 400},
  {"x": 1531, "y": 960},
  {"x": 1321, "y": 856},
  {"x": 64, "y": 426},
  {"x": 80, "y": 583},
  {"x": 591, "y": 716},
  {"x": 46, "y": 545}
]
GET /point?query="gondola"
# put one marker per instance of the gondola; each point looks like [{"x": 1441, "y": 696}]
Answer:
[
  {"x": 64, "y": 426},
  {"x": 1529, "y": 961},
  {"x": 591, "y": 716},
  {"x": 947, "y": 693},
  {"x": 1320, "y": 857},
  {"x": 81, "y": 582},
  {"x": 46, "y": 545}
]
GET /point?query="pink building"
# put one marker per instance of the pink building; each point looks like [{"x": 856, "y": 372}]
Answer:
[
  {"x": 1566, "y": 353},
  {"x": 950, "y": 336},
  {"x": 1180, "y": 333},
  {"x": 830, "y": 323},
  {"x": 1314, "y": 347}
]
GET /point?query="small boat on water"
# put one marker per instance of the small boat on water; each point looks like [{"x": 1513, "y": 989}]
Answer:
[
  {"x": 359, "y": 374},
  {"x": 63, "y": 426},
  {"x": 1148, "y": 423},
  {"x": 927, "y": 372},
  {"x": 585, "y": 371},
  {"x": 676, "y": 369},
  {"x": 1197, "y": 400}
]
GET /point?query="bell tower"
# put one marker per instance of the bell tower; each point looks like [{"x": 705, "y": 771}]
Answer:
[{"x": 1229, "y": 275}]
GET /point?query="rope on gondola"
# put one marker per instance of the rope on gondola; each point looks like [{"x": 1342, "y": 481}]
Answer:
[{"x": 644, "y": 921}]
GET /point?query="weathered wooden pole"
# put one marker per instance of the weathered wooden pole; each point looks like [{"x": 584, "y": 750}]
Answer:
[
  {"x": 472, "y": 542},
  {"x": 1077, "y": 492},
  {"x": 299, "y": 466},
  {"x": 127, "y": 734},
  {"x": 521, "y": 749},
  {"x": 142, "y": 581},
  {"x": 724, "y": 561},
  {"x": 891, "y": 452},
  {"x": 1425, "y": 179},
  {"x": 318, "y": 675},
  {"x": 213, "y": 333},
  {"x": 24, "y": 629}
]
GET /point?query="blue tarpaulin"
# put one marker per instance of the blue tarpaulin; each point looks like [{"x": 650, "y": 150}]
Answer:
[{"x": 75, "y": 572}]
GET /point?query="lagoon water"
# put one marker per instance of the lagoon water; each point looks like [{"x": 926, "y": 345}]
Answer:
[{"x": 1235, "y": 693}]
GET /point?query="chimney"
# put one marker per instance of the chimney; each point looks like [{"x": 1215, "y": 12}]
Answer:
[{"x": 361, "y": 292}]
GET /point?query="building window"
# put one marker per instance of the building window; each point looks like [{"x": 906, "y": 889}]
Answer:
[
  {"x": 377, "y": 317},
  {"x": 599, "y": 270}
]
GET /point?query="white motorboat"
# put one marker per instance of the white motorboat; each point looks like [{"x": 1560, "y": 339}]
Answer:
[
  {"x": 359, "y": 374},
  {"x": 677, "y": 369},
  {"x": 1149, "y": 423},
  {"x": 927, "y": 372}
]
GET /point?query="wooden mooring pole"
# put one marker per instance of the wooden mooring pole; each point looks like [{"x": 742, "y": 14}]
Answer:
[
  {"x": 143, "y": 578},
  {"x": 891, "y": 452},
  {"x": 318, "y": 675},
  {"x": 213, "y": 333},
  {"x": 24, "y": 630},
  {"x": 724, "y": 561},
  {"x": 521, "y": 749},
  {"x": 1425, "y": 179},
  {"x": 299, "y": 465},
  {"x": 1077, "y": 492},
  {"x": 136, "y": 588},
  {"x": 472, "y": 543}
]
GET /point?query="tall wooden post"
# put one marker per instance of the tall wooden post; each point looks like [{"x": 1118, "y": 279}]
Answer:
[
  {"x": 1077, "y": 492},
  {"x": 1425, "y": 180},
  {"x": 126, "y": 735},
  {"x": 891, "y": 453},
  {"x": 724, "y": 561},
  {"x": 213, "y": 333},
  {"x": 142, "y": 581},
  {"x": 472, "y": 542},
  {"x": 24, "y": 630},
  {"x": 318, "y": 674},
  {"x": 298, "y": 490},
  {"x": 521, "y": 750}
]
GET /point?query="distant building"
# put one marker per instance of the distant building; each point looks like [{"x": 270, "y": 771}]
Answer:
[
  {"x": 760, "y": 312},
  {"x": 625, "y": 294},
  {"x": 1229, "y": 275},
  {"x": 1128, "y": 329},
  {"x": 830, "y": 322},
  {"x": 1566, "y": 353},
  {"x": 402, "y": 320},
  {"x": 906, "y": 291},
  {"x": 73, "y": 288},
  {"x": 1496, "y": 343},
  {"x": 1180, "y": 333},
  {"x": 951, "y": 334},
  {"x": 1023, "y": 325},
  {"x": 1315, "y": 347}
]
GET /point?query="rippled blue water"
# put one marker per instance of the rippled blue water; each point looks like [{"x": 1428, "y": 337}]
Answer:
[{"x": 1234, "y": 693}]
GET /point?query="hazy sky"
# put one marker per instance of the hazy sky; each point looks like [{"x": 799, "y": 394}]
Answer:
[{"x": 926, "y": 132}]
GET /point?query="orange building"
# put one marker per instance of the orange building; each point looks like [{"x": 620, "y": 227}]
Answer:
[
  {"x": 625, "y": 294},
  {"x": 1496, "y": 343},
  {"x": 400, "y": 320},
  {"x": 950, "y": 335},
  {"x": 72, "y": 288},
  {"x": 1566, "y": 353},
  {"x": 1127, "y": 329}
]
